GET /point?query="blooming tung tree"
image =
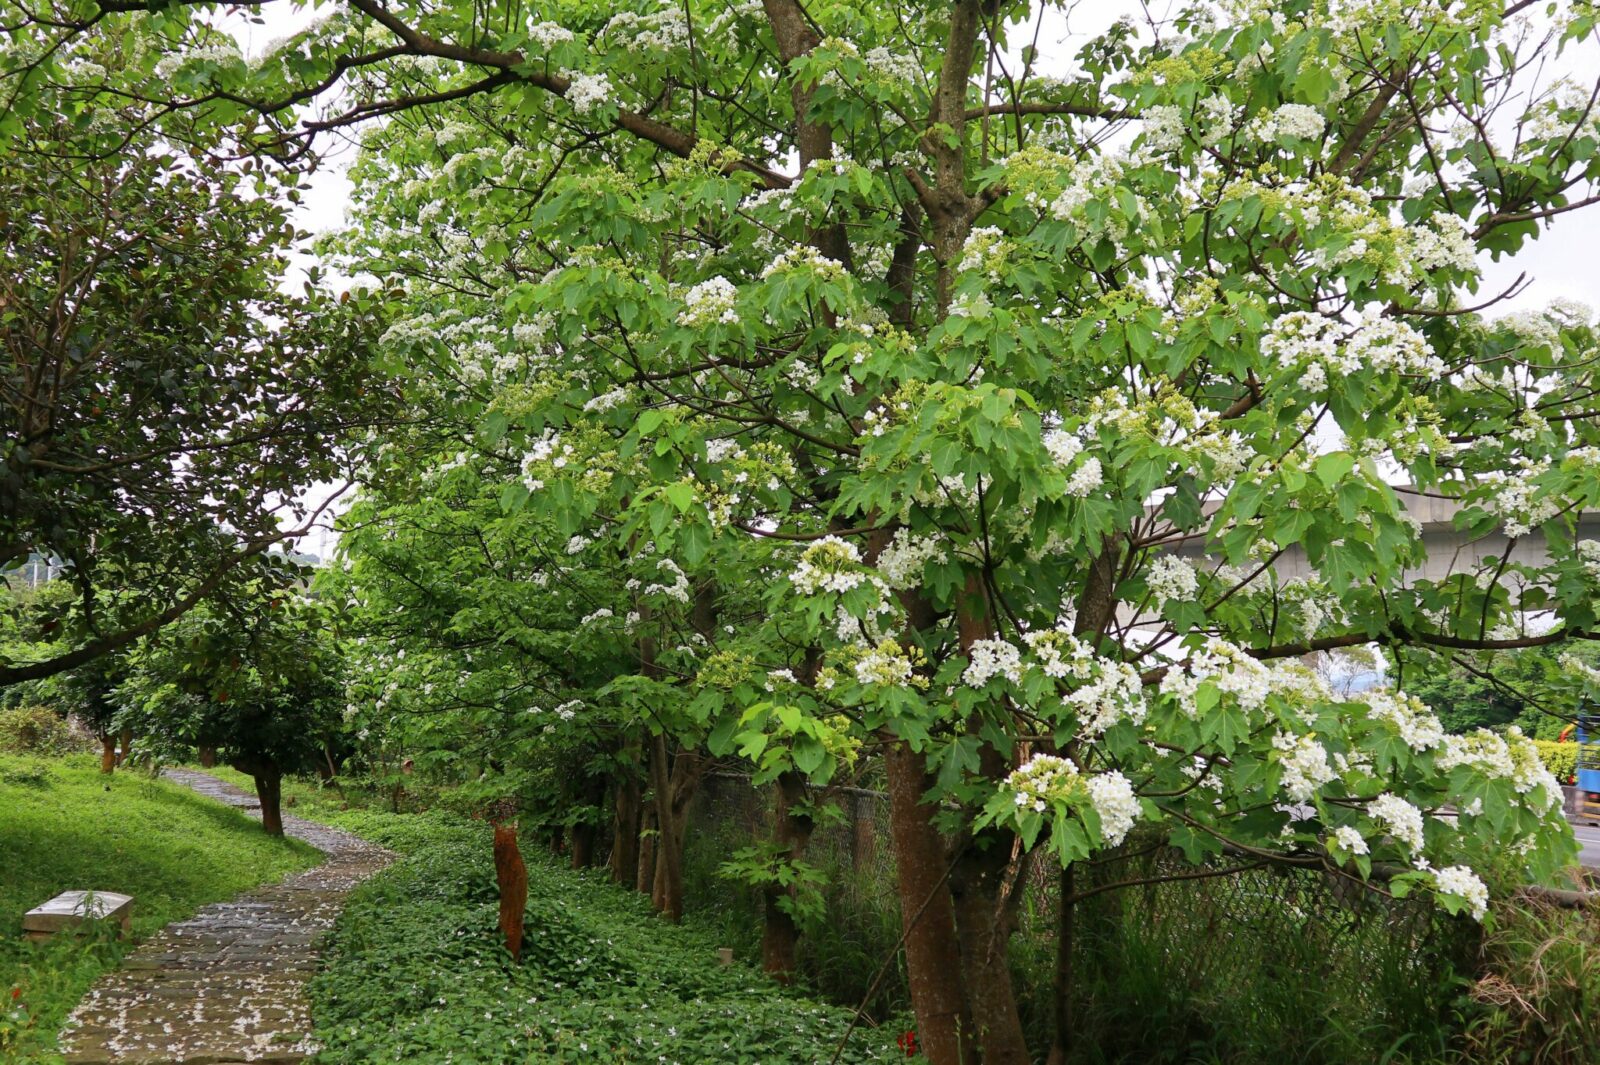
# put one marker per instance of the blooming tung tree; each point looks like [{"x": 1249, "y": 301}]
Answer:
[{"x": 852, "y": 304}]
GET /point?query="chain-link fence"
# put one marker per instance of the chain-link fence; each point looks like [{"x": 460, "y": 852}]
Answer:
[{"x": 1164, "y": 951}]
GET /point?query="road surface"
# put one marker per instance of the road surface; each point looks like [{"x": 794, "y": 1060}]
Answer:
[{"x": 1589, "y": 840}]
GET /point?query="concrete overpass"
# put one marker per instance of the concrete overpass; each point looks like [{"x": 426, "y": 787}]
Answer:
[{"x": 1449, "y": 550}]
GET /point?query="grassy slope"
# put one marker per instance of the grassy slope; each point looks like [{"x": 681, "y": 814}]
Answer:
[{"x": 65, "y": 826}]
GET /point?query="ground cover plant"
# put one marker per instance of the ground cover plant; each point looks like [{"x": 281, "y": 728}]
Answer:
[
  {"x": 416, "y": 972},
  {"x": 65, "y": 826}
]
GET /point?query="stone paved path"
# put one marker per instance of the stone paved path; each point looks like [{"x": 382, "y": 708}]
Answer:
[{"x": 228, "y": 984}]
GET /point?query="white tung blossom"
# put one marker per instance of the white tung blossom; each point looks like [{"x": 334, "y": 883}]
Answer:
[
  {"x": 548, "y": 34},
  {"x": 677, "y": 588},
  {"x": 885, "y": 664},
  {"x": 988, "y": 659},
  {"x": 902, "y": 560},
  {"x": 1461, "y": 881},
  {"x": 710, "y": 303},
  {"x": 587, "y": 92},
  {"x": 1350, "y": 840},
  {"x": 1062, "y": 446},
  {"x": 829, "y": 565},
  {"x": 1115, "y": 803},
  {"x": 1296, "y": 121},
  {"x": 1043, "y": 778},
  {"x": 1085, "y": 479},
  {"x": 1170, "y": 579},
  {"x": 1402, "y": 818},
  {"x": 1304, "y": 763},
  {"x": 1408, "y": 715}
]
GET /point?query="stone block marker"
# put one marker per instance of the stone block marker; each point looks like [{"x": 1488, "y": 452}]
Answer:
[
  {"x": 70, "y": 909},
  {"x": 227, "y": 985}
]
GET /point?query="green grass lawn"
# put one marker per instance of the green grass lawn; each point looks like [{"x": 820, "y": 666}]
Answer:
[{"x": 65, "y": 826}]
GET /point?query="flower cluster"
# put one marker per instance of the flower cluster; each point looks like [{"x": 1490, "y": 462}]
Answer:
[
  {"x": 1170, "y": 578},
  {"x": 1407, "y": 715},
  {"x": 710, "y": 303},
  {"x": 549, "y": 34},
  {"x": 587, "y": 92},
  {"x": 1116, "y": 693},
  {"x": 1512, "y": 757},
  {"x": 887, "y": 663},
  {"x": 988, "y": 659},
  {"x": 658, "y": 32},
  {"x": 1040, "y": 780},
  {"x": 1461, "y": 881},
  {"x": 1304, "y": 763},
  {"x": 829, "y": 565},
  {"x": 1048, "y": 646},
  {"x": 1062, "y": 446},
  {"x": 1589, "y": 556},
  {"x": 1115, "y": 803},
  {"x": 902, "y": 560},
  {"x": 1288, "y": 122},
  {"x": 1324, "y": 348},
  {"x": 1516, "y": 499},
  {"x": 1403, "y": 819},
  {"x": 547, "y": 449},
  {"x": 1350, "y": 840},
  {"x": 1229, "y": 670},
  {"x": 805, "y": 257},
  {"x": 1085, "y": 479},
  {"x": 677, "y": 588}
]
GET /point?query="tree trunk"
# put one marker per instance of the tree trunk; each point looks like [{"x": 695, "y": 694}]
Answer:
[
  {"x": 269, "y": 792},
  {"x": 582, "y": 845},
  {"x": 208, "y": 757},
  {"x": 666, "y": 891},
  {"x": 933, "y": 958},
  {"x": 108, "y": 753},
  {"x": 1065, "y": 938},
  {"x": 126, "y": 737},
  {"x": 673, "y": 781},
  {"x": 791, "y": 831},
  {"x": 625, "y": 829},
  {"x": 645, "y": 877},
  {"x": 984, "y": 919},
  {"x": 511, "y": 876}
]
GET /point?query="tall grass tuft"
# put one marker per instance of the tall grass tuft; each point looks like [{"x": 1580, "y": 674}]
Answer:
[{"x": 1537, "y": 1001}]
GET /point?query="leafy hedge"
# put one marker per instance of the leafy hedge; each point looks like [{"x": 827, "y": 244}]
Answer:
[
  {"x": 416, "y": 972},
  {"x": 1560, "y": 758}
]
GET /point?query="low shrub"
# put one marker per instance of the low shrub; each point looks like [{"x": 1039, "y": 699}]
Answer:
[{"x": 39, "y": 730}]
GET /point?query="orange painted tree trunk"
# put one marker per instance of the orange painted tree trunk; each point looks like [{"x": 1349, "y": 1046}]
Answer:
[{"x": 511, "y": 875}]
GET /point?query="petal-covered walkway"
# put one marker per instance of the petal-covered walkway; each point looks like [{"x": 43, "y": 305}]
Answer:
[{"x": 228, "y": 984}]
